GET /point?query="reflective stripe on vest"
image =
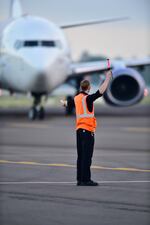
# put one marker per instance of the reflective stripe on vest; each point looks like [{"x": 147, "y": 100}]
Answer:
[{"x": 85, "y": 114}]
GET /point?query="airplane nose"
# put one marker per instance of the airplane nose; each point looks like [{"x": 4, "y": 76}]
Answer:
[
  {"x": 40, "y": 63},
  {"x": 44, "y": 68},
  {"x": 41, "y": 82},
  {"x": 40, "y": 59}
]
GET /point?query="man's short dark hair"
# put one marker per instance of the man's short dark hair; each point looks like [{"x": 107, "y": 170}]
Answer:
[{"x": 84, "y": 85}]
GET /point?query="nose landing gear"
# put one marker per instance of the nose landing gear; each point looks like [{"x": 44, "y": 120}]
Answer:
[{"x": 37, "y": 110}]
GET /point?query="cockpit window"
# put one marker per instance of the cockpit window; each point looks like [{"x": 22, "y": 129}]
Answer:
[
  {"x": 30, "y": 43},
  {"x": 48, "y": 43},
  {"x": 34, "y": 43},
  {"x": 18, "y": 44}
]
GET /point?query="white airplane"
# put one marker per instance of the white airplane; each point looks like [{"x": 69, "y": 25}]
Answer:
[{"x": 35, "y": 58}]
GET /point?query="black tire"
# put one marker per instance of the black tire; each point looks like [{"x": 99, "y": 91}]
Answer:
[
  {"x": 41, "y": 113},
  {"x": 32, "y": 113}
]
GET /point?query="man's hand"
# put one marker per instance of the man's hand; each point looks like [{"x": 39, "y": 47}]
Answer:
[
  {"x": 108, "y": 74},
  {"x": 63, "y": 102}
]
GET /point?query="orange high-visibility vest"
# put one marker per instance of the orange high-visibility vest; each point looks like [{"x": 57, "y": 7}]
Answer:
[{"x": 84, "y": 119}]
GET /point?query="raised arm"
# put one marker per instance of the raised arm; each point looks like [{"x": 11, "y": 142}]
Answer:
[{"x": 105, "y": 84}]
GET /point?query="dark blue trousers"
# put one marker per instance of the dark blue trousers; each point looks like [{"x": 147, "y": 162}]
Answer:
[{"x": 85, "y": 147}]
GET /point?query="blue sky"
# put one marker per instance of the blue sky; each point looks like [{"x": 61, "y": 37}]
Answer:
[{"x": 126, "y": 39}]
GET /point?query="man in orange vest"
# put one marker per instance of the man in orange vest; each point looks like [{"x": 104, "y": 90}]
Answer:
[{"x": 85, "y": 128}]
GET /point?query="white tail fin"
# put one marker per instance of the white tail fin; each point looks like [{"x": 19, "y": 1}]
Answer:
[{"x": 15, "y": 9}]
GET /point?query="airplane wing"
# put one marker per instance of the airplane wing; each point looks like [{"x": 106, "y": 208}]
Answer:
[
  {"x": 83, "y": 68},
  {"x": 89, "y": 68},
  {"x": 128, "y": 86},
  {"x": 137, "y": 62},
  {"x": 92, "y": 22}
]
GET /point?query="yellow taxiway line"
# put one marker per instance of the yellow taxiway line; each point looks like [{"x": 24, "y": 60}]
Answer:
[
  {"x": 72, "y": 166},
  {"x": 137, "y": 129}
]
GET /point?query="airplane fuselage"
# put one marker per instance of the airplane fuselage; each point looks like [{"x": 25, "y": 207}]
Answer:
[{"x": 34, "y": 55}]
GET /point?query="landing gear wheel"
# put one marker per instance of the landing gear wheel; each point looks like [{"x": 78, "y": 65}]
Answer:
[
  {"x": 41, "y": 113},
  {"x": 70, "y": 105},
  {"x": 32, "y": 113},
  {"x": 37, "y": 111}
]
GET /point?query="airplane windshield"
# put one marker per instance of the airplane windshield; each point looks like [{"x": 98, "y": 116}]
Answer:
[
  {"x": 34, "y": 43},
  {"x": 48, "y": 43},
  {"x": 30, "y": 43}
]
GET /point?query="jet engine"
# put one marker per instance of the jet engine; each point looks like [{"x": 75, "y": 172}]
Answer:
[{"x": 126, "y": 87}]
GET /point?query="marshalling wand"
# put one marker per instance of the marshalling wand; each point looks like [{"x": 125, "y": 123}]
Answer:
[{"x": 108, "y": 66}]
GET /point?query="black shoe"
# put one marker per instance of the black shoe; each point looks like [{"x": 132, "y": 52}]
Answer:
[{"x": 87, "y": 183}]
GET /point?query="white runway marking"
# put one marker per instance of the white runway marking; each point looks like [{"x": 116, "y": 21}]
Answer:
[{"x": 72, "y": 182}]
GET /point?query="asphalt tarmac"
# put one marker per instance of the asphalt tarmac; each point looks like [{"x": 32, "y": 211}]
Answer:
[{"x": 38, "y": 170}]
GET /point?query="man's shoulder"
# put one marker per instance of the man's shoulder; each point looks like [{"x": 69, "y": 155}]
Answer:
[
  {"x": 94, "y": 96},
  {"x": 81, "y": 93}
]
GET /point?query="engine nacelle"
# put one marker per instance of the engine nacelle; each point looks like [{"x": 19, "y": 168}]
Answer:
[{"x": 126, "y": 88}]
